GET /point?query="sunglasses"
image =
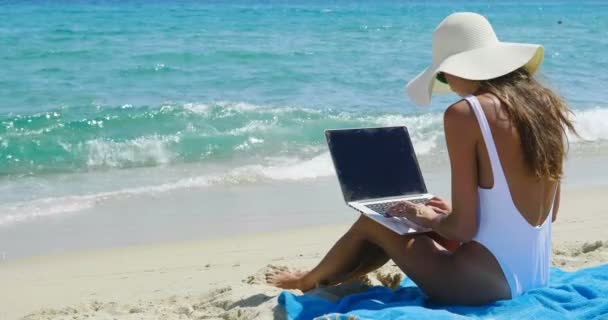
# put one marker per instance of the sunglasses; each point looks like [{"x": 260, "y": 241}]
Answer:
[{"x": 441, "y": 78}]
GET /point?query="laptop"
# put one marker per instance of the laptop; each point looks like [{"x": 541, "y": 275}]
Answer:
[{"x": 376, "y": 168}]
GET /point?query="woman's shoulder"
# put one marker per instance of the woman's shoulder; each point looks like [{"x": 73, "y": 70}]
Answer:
[
  {"x": 459, "y": 114},
  {"x": 460, "y": 124},
  {"x": 462, "y": 112}
]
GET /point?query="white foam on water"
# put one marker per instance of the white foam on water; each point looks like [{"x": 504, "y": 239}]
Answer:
[
  {"x": 253, "y": 126},
  {"x": 319, "y": 166},
  {"x": 143, "y": 150},
  {"x": 22, "y": 212},
  {"x": 247, "y": 144},
  {"x": 199, "y": 108},
  {"x": 426, "y": 131},
  {"x": 241, "y": 106},
  {"x": 284, "y": 169},
  {"x": 591, "y": 124}
]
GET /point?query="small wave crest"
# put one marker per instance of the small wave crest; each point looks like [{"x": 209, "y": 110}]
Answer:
[
  {"x": 85, "y": 139},
  {"x": 279, "y": 169},
  {"x": 310, "y": 162},
  {"x": 152, "y": 150},
  {"x": 592, "y": 125}
]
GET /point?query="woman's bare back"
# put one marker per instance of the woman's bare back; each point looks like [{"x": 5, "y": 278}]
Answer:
[{"x": 525, "y": 188}]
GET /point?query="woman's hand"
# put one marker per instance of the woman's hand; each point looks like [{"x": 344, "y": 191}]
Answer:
[
  {"x": 440, "y": 205},
  {"x": 419, "y": 213}
]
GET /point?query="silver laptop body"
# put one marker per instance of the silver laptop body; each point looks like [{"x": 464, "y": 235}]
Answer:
[{"x": 376, "y": 168}]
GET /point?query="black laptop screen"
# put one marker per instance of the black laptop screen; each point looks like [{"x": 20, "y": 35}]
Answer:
[{"x": 375, "y": 162}]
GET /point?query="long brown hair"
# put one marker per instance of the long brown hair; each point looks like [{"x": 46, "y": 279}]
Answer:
[{"x": 541, "y": 118}]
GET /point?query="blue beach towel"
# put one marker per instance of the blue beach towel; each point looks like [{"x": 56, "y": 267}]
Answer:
[{"x": 582, "y": 294}]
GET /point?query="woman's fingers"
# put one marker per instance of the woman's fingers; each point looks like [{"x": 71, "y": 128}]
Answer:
[
  {"x": 394, "y": 210},
  {"x": 408, "y": 209},
  {"x": 399, "y": 209},
  {"x": 438, "y": 209},
  {"x": 439, "y": 203},
  {"x": 403, "y": 209},
  {"x": 436, "y": 202}
]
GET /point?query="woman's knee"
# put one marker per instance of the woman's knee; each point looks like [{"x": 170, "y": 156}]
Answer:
[
  {"x": 359, "y": 223},
  {"x": 358, "y": 229},
  {"x": 365, "y": 222},
  {"x": 367, "y": 228}
]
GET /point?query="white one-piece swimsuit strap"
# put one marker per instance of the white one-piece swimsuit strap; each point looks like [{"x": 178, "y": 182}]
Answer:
[{"x": 522, "y": 250}]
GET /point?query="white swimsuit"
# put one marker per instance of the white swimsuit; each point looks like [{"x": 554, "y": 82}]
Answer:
[{"x": 522, "y": 250}]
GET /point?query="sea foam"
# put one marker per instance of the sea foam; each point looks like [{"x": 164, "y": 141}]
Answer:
[
  {"x": 591, "y": 125},
  {"x": 275, "y": 144},
  {"x": 281, "y": 169}
]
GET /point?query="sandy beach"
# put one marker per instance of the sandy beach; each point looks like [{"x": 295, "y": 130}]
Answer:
[
  {"x": 222, "y": 279},
  {"x": 157, "y": 158}
]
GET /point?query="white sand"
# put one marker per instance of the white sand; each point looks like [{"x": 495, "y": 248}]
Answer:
[{"x": 222, "y": 279}]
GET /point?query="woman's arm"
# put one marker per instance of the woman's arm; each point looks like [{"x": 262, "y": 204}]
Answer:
[{"x": 462, "y": 133}]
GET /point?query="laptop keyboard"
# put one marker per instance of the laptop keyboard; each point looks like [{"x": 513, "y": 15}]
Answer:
[{"x": 382, "y": 207}]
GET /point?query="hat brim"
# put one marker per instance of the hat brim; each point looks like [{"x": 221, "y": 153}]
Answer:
[{"x": 477, "y": 64}]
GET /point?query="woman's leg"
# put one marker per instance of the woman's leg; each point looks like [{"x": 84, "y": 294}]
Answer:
[
  {"x": 471, "y": 275},
  {"x": 350, "y": 257},
  {"x": 371, "y": 257},
  {"x": 454, "y": 278},
  {"x": 374, "y": 257}
]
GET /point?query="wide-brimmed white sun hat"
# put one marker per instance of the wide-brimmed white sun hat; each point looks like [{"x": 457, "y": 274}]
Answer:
[{"x": 465, "y": 45}]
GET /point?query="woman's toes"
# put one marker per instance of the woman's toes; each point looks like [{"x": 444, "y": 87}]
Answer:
[{"x": 282, "y": 277}]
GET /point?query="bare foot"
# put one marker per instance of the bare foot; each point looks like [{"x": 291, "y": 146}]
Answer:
[
  {"x": 282, "y": 277},
  {"x": 390, "y": 280}
]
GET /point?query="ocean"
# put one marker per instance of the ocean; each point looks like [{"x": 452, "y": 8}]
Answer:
[{"x": 112, "y": 111}]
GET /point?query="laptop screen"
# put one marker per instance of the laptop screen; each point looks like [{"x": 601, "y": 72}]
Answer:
[{"x": 375, "y": 162}]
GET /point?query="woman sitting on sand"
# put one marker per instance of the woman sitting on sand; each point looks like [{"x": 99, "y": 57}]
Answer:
[{"x": 506, "y": 143}]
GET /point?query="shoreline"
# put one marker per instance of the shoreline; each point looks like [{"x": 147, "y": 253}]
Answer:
[
  {"x": 216, "y": 212},
  {"x": 147, "y": 279}
]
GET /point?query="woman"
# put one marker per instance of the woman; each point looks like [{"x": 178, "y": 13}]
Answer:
[{"x": 506, "y": 143}]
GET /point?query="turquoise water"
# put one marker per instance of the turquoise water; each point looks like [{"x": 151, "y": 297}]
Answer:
[{"x": 239, "y": 89}]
